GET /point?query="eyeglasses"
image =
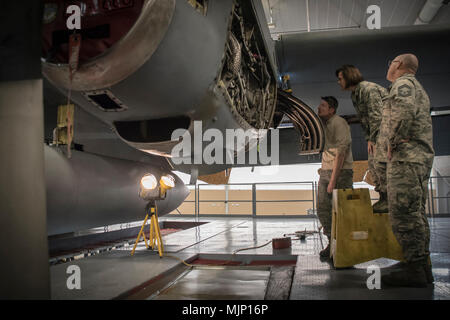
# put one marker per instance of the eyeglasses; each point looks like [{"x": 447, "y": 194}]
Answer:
[{"x": 392, "y": 61}]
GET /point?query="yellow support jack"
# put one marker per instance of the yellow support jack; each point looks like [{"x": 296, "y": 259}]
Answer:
[
  {"x": 155, "y": 239},
  {"x": 358, "y": 235}
]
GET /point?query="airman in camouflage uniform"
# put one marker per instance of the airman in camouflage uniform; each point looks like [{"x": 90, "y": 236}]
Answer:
[
  {"x": 407, "y": 139},
  {"x": 367, "y": 98}
]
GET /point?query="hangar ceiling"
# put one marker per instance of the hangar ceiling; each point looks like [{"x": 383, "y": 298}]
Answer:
[
  {"x": 292, "y": 16},
  {"x": 339, "y": 35}
]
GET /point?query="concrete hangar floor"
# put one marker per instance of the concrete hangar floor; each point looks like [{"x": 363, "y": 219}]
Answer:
[{"x": 214, "y": 269}]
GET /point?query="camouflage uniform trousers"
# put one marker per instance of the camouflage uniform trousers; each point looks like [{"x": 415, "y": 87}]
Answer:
[
  {"x": 324, "y": 203},
  {"x": 407, "y": 185},
  {"x": 377, "y": 170}
]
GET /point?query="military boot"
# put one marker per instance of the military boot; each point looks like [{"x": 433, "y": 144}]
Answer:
[
  {"x": 411, "y": 275},
  {"x": 381, "y": 206},
  {"x": 428, "y": 270},
  {"x": 325, "y": 253},
  {"x": 396, "y": 266}
]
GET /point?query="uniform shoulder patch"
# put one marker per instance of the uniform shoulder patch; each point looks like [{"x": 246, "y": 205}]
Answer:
[{"x": 404, "y": 90}]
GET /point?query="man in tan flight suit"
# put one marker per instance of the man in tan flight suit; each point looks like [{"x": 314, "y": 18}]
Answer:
[{"x": 337, "y": 163}]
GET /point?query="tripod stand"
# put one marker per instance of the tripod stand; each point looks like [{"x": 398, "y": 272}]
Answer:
[{"x": 155, "y": 233}]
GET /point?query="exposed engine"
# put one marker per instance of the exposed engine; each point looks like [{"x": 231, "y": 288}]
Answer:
[
  {"x": 249, "y": 87},
  {"x": 144, "y": 87}
]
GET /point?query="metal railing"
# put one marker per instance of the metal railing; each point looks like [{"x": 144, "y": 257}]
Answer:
[
  {"x": 438, "y": 201},
  {"x": 253, "y": 190}
]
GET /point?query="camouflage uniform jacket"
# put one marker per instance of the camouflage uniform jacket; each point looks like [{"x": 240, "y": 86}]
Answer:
[
  {"x": 406, "y": 125},
  {"x": 367, "y": 100}
]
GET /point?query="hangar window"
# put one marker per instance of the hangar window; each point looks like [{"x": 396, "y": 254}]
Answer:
[{"x": 199, "y": 5}]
